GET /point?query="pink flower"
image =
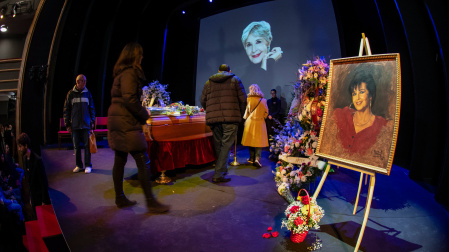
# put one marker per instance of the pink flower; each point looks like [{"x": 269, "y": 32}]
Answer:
[
  {"x": 309, "y": 151},
  {"x": 275, "y": 233},
  {"x": 269, "y": 229},
  {"x": 266, "y": 235}
]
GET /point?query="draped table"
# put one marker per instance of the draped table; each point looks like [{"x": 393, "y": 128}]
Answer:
[{"x": 176, "y": 141}]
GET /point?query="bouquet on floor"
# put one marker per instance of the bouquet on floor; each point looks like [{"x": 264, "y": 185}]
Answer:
[
  {"x": 155, "y": 94},
  {"x": 301, "y": 216}
]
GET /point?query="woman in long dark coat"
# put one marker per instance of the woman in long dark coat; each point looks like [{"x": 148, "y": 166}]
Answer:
[{"x": 125, "y": 119}]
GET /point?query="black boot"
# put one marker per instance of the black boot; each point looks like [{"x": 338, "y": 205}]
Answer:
[
  {"x": 143, "y": 170},
  {"x": 117, "y": 175},
  {"x": 155, "y": 207},
  {"x": 122, "y": 201}
]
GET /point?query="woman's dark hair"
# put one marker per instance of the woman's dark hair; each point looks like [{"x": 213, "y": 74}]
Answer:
[
  {"x": 363, "y": 76},
  {"x": 24, "y": 139},
  {"x": 129, "y": 57}
]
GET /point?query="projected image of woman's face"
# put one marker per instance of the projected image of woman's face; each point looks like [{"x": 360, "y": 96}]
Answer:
[{"x": 256, "y": 48}]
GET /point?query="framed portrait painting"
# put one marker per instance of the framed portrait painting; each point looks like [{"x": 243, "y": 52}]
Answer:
[{"x": 361, "y": 118}]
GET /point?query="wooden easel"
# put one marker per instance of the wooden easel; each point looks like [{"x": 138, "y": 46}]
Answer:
[{"x": 364, "y": 44}]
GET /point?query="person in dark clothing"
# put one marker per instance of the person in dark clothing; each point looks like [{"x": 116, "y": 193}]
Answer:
[
  {"x": 79, "y": 118},
  {"x": 126, "y": 116},
  {"x": 274, "y": 113},
  {"x": 36, "y": 185},
  {"x": 224, "y": 100}
]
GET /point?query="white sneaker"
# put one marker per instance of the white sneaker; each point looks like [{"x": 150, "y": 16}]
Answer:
[
  {"x": 88, "y": 170},
  {"x": 77, "y": 169}
]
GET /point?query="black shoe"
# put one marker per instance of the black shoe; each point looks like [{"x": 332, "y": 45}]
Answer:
[
  {"x": 122, "y": 202},
  {"x": 155, "y": 207},
  {"x": 220, "y": 180}
]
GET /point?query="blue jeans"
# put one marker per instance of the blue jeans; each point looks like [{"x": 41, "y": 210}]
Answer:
[
  {"x": 81, "y": 135},
  {"x": 224, "y": 136}
]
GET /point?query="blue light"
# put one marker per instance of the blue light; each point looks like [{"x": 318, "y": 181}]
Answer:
[
  {"x": 210, "y": 1},
  {"x": 183, "y": 12}
]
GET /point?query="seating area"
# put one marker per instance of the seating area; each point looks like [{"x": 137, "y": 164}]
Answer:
[
  {"x": 44, "y": 234},
  {"x": 100, "y": 130},
  {"x": 101, "y": 126},
  {"x": 62, "y": 133}
]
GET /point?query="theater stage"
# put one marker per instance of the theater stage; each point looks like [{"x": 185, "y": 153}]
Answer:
[{"x": 234, "y": 216}]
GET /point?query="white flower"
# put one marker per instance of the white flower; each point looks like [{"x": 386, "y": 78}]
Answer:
[
  {"x": 321, "y": 164},
  {"x": 278, "y": 174},
  {"x": 292, "y": 173},
  {"x": 297, "y": 144},
  {"x": 283, "y": 172},
  {"x": 314, "y": 145},
  {"x": 285, "y": 180}
]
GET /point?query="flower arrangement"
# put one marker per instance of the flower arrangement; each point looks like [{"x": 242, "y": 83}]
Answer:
[
  {"x": 157, "y": 91},
  {"x": 299, "y": 137},
  {"x": 310, "y": 90},
  {"x": 294, "y": 176},
  {"x": 301, "y": 216},
  {"x": 179, "y": 107}
]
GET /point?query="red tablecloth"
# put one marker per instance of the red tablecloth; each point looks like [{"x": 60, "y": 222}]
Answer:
[{"x": 168, "y": 155}]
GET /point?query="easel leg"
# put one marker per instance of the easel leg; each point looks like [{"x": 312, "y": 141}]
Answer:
[
  {"x": 367, "y": 209},
  {"x": 358, "y": 193},
  {"x": 323, "y": 178}
]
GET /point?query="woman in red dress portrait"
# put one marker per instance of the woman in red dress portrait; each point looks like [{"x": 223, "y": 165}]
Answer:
[{"x": 357, "y": 126}]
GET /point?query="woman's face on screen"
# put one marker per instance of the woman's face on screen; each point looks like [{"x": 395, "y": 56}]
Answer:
[
  {"x": 361, "y": 97},
  {"x": 256, "y": 48}
]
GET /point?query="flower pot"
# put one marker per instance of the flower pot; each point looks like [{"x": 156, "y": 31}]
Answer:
[{"x": 298, "y": 237}]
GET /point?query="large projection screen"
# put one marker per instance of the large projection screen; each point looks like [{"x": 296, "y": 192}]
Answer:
[{"x": 301, "y": 29}]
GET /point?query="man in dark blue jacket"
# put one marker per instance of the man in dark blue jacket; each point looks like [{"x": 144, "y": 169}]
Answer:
[{"x": 79, "y": 118}]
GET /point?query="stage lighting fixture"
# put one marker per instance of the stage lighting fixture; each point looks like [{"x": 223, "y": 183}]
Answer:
[
  {"x": 2, "y": 12},
  {"x": 210, "y": 1},
  {"x": 3, "y": 28},
  {"x": 14, "y": 9},
  {"x": 183, "y": 12}
]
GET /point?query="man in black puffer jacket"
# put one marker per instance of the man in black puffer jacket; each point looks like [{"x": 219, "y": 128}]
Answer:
[
  {"x": 79, "y": 118},
  {"x": 224, "y": 100}
]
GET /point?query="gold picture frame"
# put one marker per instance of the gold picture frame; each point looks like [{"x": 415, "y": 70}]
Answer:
[{"x": 360, "y": 127}]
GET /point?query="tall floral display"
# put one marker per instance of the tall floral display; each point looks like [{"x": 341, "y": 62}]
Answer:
[{"x": 296, "y": 142}]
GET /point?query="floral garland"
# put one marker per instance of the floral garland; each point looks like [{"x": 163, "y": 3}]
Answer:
[
  {"x": 158, "y": 91},
  {"x": 180, "y": 108},
  {"x": 299, "y": 137}
]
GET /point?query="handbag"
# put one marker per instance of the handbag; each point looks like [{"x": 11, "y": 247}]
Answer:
[
  {"x": 92, "y": 143},
  {"x": 245, "y": 116}
]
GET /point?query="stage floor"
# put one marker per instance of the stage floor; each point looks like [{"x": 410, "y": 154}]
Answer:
[{"x": 234, "y": 216}]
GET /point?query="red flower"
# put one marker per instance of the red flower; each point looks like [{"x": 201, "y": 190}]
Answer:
[
  {"x": 275, "y": 233},
  {"x": 266, "y": 235},
  {"x": 294, "y": 209},
  {"x": 319, "y": 112},
  {"x": 269, "y": 229},
  {"x": 299, "y": 221},
  {"x": 305, "y": 200},
  {"x": 288, "y": 216}
]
